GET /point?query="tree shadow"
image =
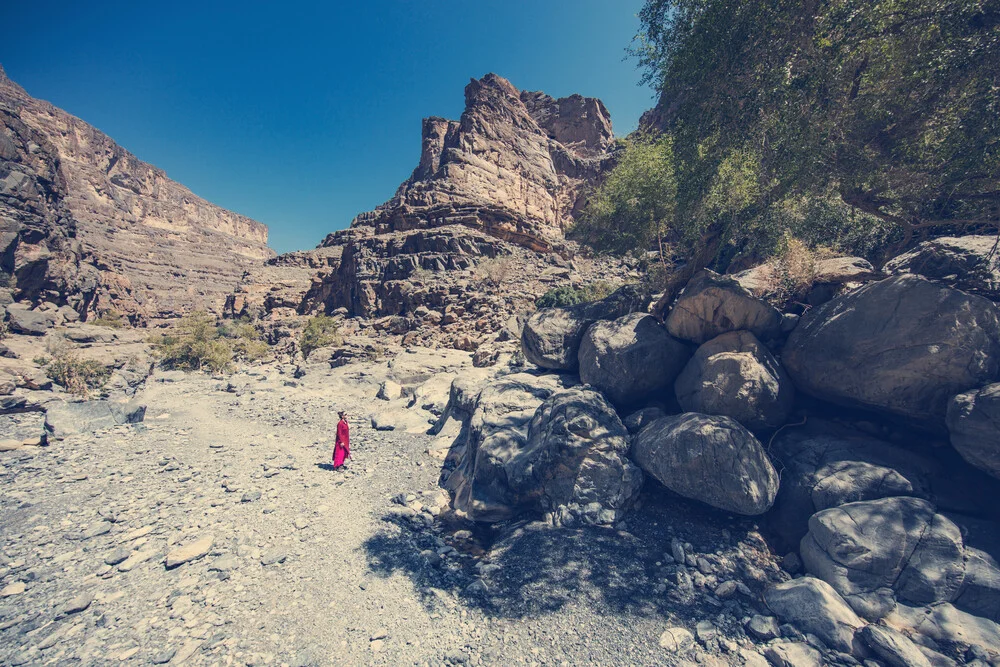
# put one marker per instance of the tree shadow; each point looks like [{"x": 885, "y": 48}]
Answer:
[{"x": 533, "y": 569}]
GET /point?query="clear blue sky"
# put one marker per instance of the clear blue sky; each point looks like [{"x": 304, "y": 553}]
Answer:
[{"x": 301, "y": 115}]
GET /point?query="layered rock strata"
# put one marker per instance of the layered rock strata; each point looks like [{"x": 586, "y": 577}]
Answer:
[{"x": 84, "y": 222}]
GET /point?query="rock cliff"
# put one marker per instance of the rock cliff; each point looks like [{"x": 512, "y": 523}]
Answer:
[{"x": 84, "y": 222}]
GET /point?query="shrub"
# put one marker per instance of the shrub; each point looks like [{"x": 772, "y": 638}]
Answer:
[
  {"x": 245, "y": 339},
  {"x": 564, "y": 296},
  {"x": 111, "y": 319},
  {"x": 497, "y": 271},
  {"x": 320, "y": 331},
  {"x": 64, "y": 367},
  {"x": 194, "y": 344}
]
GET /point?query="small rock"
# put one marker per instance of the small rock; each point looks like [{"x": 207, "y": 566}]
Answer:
[
  {"x": 163, "y": 657},
  {"x": 676, "y": 639},
  {"x": 706, "y": 631},
  {"x": 14, "y": 588},
  {"x": 79, "y": 603},
  {"x": 764, "y": 628},
  {"x": 250, "y": 496},
  {"x": 274, "y": 556},
  {"x": 192, "y": 551}
]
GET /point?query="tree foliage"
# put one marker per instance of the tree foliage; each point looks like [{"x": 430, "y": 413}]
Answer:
[
  {"x": 198, "y": 342},
  {"x": 884, "y": 110},
  {"x": 320, "y": 331}
]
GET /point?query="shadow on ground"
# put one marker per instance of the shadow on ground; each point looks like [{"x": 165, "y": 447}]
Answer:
[{"x": 534, "y": 569}]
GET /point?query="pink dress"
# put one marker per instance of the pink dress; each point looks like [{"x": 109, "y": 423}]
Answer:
[{"x": 342, "y": 449}]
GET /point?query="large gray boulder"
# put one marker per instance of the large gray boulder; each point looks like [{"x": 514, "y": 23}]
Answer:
[
  {"x": 66, "y": 419},
  {"x": 575, "y": 463},
  {"x": 21, "y": 319},
  {"x": 893, "y": 647},
  {"x": 551, "y": 336},
  {"x": 903, "y": 345},
  {"x": 813, "y": 606},
  {"x": 630, "y": 358},
  {"x": 711, "y": 305},
  {"x": 974, "y": 424},
  {"x": 496, "y": 431},
  {"x": 946, "y": 625},
  {"x": 734, "y": 375},
  {"x": 869, "y": 551},
  {"x": 966, "y": 262},
  {"x": 711, "y": 459},
  {"x": 825, "y": 465}
]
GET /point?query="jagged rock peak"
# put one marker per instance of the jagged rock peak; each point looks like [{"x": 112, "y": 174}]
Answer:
[{"x": 515, "y": 165}]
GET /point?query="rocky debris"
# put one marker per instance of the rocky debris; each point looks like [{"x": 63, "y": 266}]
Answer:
[
  {"x": 630, "y": 358},
  {"x": 882, "y": 347},
  {"x": 973, "y": 420},
  {"x": 710, "y": 459},
  {"x": 813, "y": 606},
  {"x": 734, "y": 375},
  {"x": 711, "y": 305},
  {"x": 826, "y": 465},
  {"x": 969, "y": 263},
  {"x": 83, "y": 217},
  {"x": 869, "y": 551},
  {"x": 575, "y": 460},
  {"x": 551, "y": 337},
  {"x": 189, "y": 552},
  {"x": 65, "y": 419}
]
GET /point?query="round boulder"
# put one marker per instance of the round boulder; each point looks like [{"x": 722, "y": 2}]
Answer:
[
  {"x": 714, "y": 460},
  {"x": 734, "y": 375},
  {"x": 974, "y": 424},
  {"x": 903, "y": 345},
  {"x": 711, "y": 305},
  {"x": 630, "y": 358}
]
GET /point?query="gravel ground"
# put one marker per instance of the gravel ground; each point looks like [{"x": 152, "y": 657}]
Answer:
[{"x": 294, "y": 563}]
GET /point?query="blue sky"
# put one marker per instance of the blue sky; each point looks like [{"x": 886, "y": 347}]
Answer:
[{"x": 301, "y": 115}]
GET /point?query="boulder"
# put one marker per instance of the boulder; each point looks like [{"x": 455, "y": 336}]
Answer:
[
  {"x": 825, "y": 465},
  {"x": 764, "y": 279},
  {"x": 793, "y": 654},
  {"x": 551, "y": 336},
  {"x": 812, "y": 605},
  {"x": 89, "y": 333},
  {"x": 389, "y": 391},
  {"x": 630, "y": 358},
  {"x": 65, "y": 419},
  {"x": 497, "y": 429},
  {"x": 734, "y": 375},
  {"x": 711, "y": 305},
  {"x": 903, "y": 345},
  {"x": 899, "y": 544},
  {"x": 639, "y": 419},
  {"x": 973, "y": 420},
  {"x": 892, "y": 647},
  {"x": 710, "y": 459},
  {"x": 945, "y": 624},
  {"x": 968, "y": 263},
  {"x": 575, "y": 460},
  {"x": 21, "y": 319}
]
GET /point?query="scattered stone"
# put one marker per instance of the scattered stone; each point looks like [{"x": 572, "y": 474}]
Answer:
[
  {"x": 676, "y": 639},
  {"x": 795, "y": 654},
  {"x": 893, "y": 647},
  {"x": 764, "y": 628},
  {"x": 79, "y": 603},
  {"x": 190, "y": 552},
  {"x": 274, "y": 556},
  {"x": 13, "y": 588}
]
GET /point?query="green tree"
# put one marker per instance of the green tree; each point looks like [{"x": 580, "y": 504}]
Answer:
[
  {"x": 635, "y": 206},
  {"x": 889, "y": 105},
  {"x": 320, "y": 331}
]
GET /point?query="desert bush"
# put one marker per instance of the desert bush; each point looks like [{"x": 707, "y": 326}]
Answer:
[
  {"x": 245, "y": 340},
  {"x": 564, "y": 296},
  {"x": 195, "y": 343},
  {"x": 497, "y": 271},
  {"x": 320, "y": 331},
  {"x": 111, "y": 319},
  {"x": 65, "y": 367}
]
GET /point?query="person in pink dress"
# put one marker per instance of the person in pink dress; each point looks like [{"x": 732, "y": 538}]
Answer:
[{"x": 342, "y": 448}]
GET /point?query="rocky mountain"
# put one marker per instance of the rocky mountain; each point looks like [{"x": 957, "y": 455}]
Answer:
[
  {"x": 503, "y": 181},
  {"x": 85, "y": 223}
]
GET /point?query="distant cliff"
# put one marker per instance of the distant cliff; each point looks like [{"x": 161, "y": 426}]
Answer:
[{"x": 85, "y": 222}]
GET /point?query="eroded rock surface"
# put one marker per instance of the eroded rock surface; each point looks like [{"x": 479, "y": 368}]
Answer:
[
  {"x": 974, "y": 424},
  {"x": 711, "y": 305}
]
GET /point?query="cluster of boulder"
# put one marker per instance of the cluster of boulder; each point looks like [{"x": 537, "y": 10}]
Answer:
[{"x": 851, "y": 400}]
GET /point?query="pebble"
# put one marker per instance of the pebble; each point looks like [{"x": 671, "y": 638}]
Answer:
[
  {"x": 274, "y": 556},
  {"x": 190, "y": 552},
  {"x": 14, "y": 588},
  {"x": 676, "y": 639},
  {"x": 79, "y": 603}
]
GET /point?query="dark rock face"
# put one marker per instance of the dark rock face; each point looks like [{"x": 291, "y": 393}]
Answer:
[
  {"x": 710, "y": 459},
  {"x": 514, "y": 166},
  {"x": 974, "y": 424},
  {"x": 736, "y": 376},
  {"x": 712, "y": 305},
  {"x": 84, "y": 222},
  {"x": 966, "y": 262},
  {"x": 903, "y": 345},
  {"x": 630, "y": 358},
  {"x": 551, "y": 337}
]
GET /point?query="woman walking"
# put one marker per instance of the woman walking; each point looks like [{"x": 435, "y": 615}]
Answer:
[{"x": 342, "y": 448}]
